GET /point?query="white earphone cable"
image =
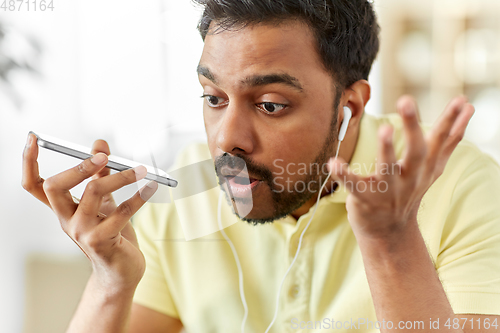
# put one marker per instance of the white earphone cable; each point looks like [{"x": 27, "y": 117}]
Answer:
[
  {"x": 298, "y": 247},
  {"x": 238, "y": 264}
]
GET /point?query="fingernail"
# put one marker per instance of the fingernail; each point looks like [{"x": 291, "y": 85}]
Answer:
[
  {"x": 28, "y": 141},
  {"x": 330, "y": 163},
  {"x": 333, "y": 165},
  {"x": 140, "y": 172},
  {"x": 388, "y": 136},
  {"x": 409, "y": 111},
  {"x": 148, "y": 190},
  {"x": 98, "y": 159}
]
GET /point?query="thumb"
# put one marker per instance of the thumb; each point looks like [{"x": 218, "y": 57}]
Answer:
[{"x": 101, "y": 146}]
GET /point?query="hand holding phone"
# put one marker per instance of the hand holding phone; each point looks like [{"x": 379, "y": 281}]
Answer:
[{"x": 101, "y": 229}]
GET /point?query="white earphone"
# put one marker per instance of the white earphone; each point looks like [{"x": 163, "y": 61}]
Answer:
[
  {"x": 342, "y": 133},
  {"x": 345, "y": 123}
]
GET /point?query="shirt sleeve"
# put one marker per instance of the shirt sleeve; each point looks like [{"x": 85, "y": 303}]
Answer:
[
  {"x": 153, "y": 291},
  {"x": 468, "y": 263}
]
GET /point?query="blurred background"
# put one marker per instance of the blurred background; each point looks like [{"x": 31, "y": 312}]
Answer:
[{"x": 124, "y": 70}]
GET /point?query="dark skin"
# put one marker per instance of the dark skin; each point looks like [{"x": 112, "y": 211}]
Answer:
[
  {"x": 238, "y": 123},
  {"x": 384, "y": 232}
]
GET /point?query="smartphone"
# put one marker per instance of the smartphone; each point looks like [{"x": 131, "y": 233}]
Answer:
[{"x": 114, "y": 162}]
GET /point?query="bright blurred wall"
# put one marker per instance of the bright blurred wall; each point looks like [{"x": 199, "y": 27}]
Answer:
[
  {"x": 117, "y": 70},
  {"x": 438, "y": 49}
]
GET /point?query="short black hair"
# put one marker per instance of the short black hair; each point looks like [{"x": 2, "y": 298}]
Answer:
[{"x": 346, "y": 31}]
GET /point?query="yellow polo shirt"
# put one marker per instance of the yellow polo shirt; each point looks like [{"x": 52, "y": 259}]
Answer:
[{"x": 197, "y": 280}]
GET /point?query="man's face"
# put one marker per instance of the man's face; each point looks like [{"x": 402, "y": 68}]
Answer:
[{"x": 270, "y": 103}]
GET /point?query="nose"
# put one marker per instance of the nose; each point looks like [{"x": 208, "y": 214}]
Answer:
[{"x": 235, "y": 132}]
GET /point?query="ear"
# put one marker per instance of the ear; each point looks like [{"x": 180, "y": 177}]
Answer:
[{"x": 355, "y": 97}]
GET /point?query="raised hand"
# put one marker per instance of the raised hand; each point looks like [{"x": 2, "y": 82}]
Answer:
[{"x": 387, "y": 210}]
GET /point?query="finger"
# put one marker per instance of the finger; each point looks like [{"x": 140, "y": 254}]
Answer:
[
  {"x": 121, "y": 216},
  {"x": 341, "y": 171},
  {"x": 415, "y": 142},
  {"x": 458, "y": 130},
  {"x": 129, "y": 233},
  {"x": 57, "y": 187},
  {"x": 31, "y": 180},
  {"x": 108, "y": 202},
  {"x": 101, "y": 146},
  {"x": 438, "y": 136},
  {"x": 411, "y": 99},
  {"x": 386, "y": 160},
  {"x": 97, "y": 189}
]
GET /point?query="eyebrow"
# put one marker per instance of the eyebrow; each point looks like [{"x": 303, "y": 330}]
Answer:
[{"x": 258, "y": 80}]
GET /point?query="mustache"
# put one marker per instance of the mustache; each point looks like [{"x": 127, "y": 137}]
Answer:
[{"x": 239, "y": 162}]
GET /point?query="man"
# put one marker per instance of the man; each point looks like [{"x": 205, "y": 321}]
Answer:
[{"x": 414, "y": 246}]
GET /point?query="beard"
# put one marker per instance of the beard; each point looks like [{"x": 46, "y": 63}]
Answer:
[{"x": 284, "y": 202}]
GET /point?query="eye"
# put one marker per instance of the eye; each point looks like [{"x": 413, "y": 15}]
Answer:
[
  {"x": 214, "y": 101},
  {"x": 269, "y": 107}
]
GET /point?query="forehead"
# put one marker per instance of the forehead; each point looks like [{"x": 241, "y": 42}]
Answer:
[{"x": 286, "y": 48}]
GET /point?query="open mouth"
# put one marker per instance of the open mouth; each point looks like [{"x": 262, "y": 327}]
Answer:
[{"x": 241, "y": 186}]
